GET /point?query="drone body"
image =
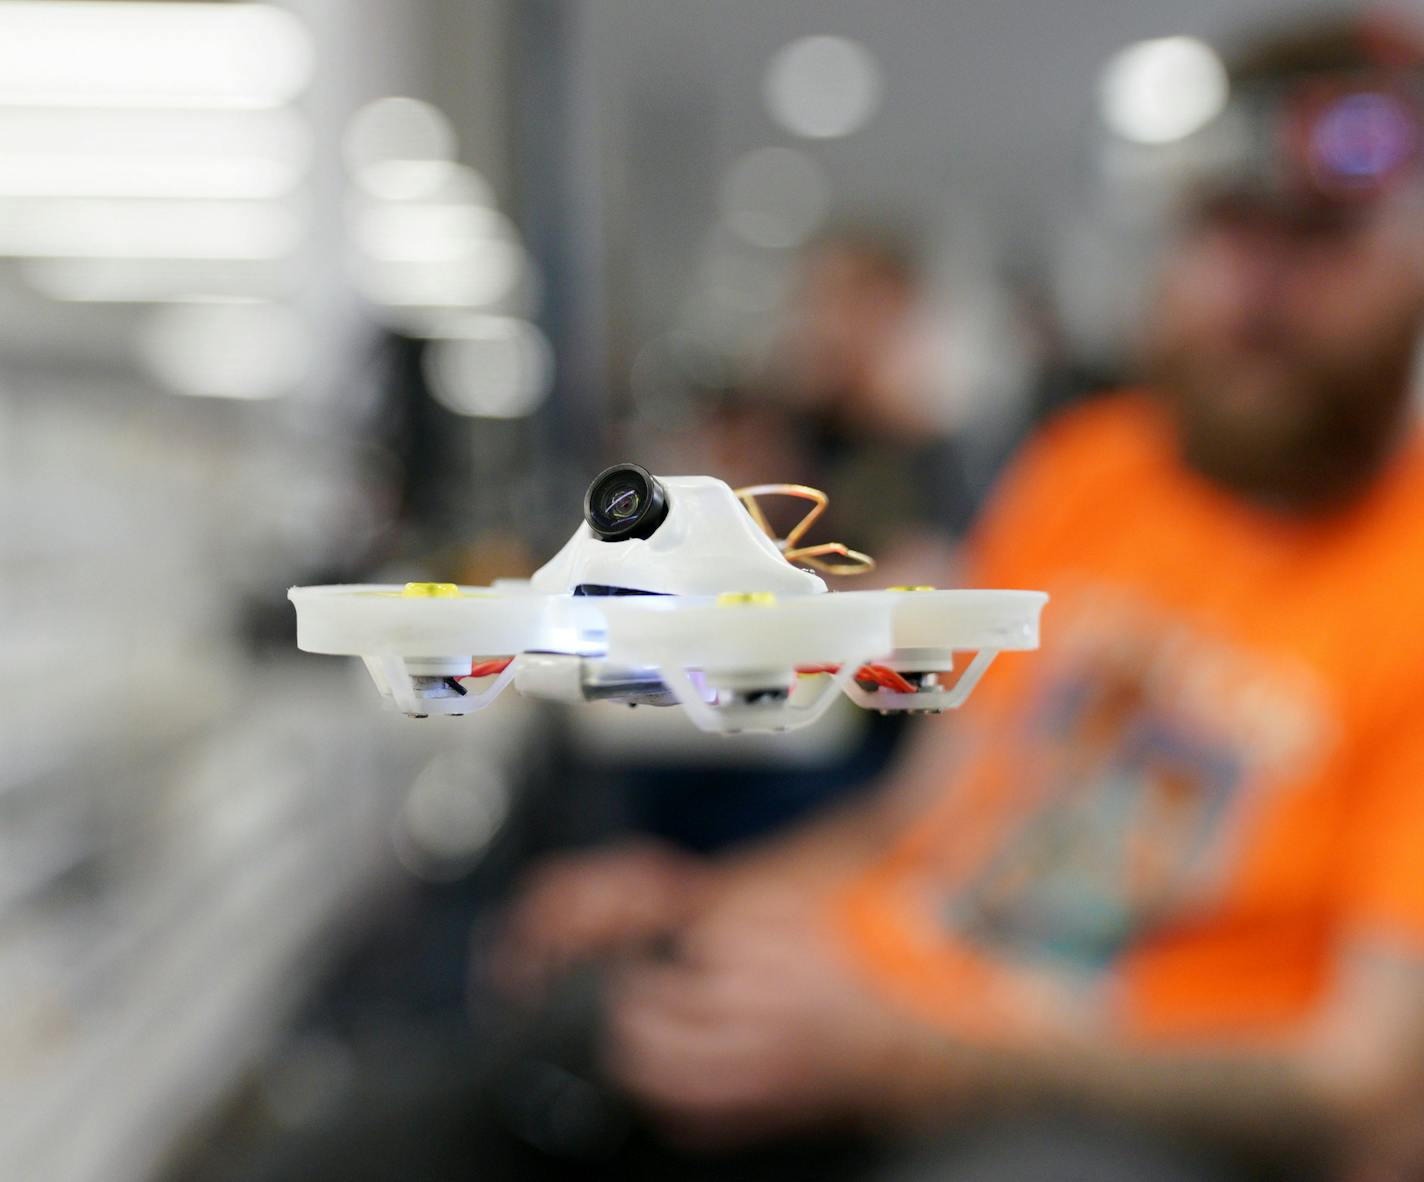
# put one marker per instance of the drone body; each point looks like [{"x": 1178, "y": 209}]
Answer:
[{"x": 674, "y": 592}]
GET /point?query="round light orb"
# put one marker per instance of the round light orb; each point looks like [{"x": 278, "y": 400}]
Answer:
[
  {"x": 500, "y": 367},
  {"x": 822, "y": 87},
  {"x": 1162, "y": 90},
  {"x": 775, "y": 197},
  {"x": 397, "y": 129}
]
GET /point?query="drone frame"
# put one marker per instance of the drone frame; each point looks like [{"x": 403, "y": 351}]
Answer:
[{"x": 714, "y": 612}]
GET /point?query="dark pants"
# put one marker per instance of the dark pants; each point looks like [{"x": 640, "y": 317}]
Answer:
[
  {"x": 522, "y": 1100},
  {"x": 456, "y": 1138}
]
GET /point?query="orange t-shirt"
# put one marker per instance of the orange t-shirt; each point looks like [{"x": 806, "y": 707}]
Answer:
[{"x": 1209, "y": 778}]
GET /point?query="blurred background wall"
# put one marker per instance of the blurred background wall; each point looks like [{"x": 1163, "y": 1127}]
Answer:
[{"x": 346, "y": 289}]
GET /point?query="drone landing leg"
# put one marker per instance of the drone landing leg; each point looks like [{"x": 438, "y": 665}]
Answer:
[
  {"x": 964, "y": 686},
  {"x": 478, "y": 701},
  {"x": 392, "y": 677}
]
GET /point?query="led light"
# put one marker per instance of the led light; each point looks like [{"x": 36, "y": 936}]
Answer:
[
  {"x": 822, "y": 87},
  {"x": 59, "y": 53},
  {"x": 1162, "y": 90},
  {"x": 1363, "y": 137}
]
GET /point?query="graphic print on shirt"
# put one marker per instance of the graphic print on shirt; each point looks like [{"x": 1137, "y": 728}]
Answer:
[{"x": 1132, "y": 765}]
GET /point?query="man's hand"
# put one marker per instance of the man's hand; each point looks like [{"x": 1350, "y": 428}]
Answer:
[
  {"x": 756, "y": 1026},
  {"x": 595, "y": 903}
]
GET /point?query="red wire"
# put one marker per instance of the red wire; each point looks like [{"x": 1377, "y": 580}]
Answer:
[
  {"x": 881, "y": 675},
  {"x": 489, "y": 668},
  {"x": 886, "y": 678}
]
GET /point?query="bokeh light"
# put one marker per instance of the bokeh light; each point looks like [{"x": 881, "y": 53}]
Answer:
[
  {"x": 136, "y": 153},
  {"x": 452, "y": 811},
  {"x": 398, "y": 147},
  {"x": 64, "y": 54},
  {"x": 424, "y": 230},
  {"x": 775, "y": 197},
  {"x": 498, "y": 367},
  {"x": 484, "y": 274},
  {"x": 822, "y": 87},
  {"x": 429, "y": 233},
  {"x": 225, "y": 350},
  {"x": 1162, "y": 90},
  {"x": 101, "y": 228},
  {"x": 149, "y": 281}
]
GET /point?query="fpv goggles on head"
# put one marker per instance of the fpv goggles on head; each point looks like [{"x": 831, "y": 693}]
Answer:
[{"x": 1348, "y": 138}]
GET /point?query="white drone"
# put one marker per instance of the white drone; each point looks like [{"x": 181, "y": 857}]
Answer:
[{"x": 675, "y": 591}]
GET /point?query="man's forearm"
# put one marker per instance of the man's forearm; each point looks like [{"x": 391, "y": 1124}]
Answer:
[{"x": 1263, "y": 1098}]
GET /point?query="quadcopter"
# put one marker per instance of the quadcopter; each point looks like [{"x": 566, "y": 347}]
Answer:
[{"x": 675, "y": 591}]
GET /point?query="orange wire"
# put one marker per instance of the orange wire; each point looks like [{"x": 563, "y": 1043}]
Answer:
[
  {"x": 881, "y": 675},
  {"x": 489, "y": 668}
]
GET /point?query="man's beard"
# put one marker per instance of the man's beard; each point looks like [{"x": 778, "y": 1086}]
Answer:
[{"x": 1282, "y": 426}]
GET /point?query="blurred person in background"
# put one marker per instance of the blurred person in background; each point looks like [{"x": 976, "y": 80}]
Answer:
[
  {"x": 851, "y": 399},
  {"x": 848, "y": 398},
  {"x": 1154, "y": 906}
]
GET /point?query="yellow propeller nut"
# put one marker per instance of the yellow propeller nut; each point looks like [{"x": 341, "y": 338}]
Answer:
[
  {"x": 916, "y": 587},
  {"x": 430, "y": 591},
  {"x": 746, "y": 599}
]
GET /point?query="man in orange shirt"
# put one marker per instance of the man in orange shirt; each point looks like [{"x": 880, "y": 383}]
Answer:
[{"x": 1166, "y": 875}]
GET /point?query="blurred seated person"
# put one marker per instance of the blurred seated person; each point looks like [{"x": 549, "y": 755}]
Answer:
[
  {"x": 851, "y": 399},
  {"x": 1164, "y": 879},
  {"x": 845, "y": 401}
]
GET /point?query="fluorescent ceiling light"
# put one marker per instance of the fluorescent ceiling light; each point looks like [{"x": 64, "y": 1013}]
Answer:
[
  {"x": 134, "y": 153},
  {"x": 62, "y": 53},
  {"x": 108, "y": 229},
  {"x": 156, "y": 281}
]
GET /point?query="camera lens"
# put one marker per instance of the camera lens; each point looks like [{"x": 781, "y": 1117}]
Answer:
[{"x": 624, "y": 501}]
